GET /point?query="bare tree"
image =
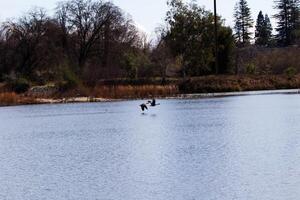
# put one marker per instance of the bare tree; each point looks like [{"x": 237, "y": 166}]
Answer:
[
  {"x": 24, "y": 36},
  {"x": 62, "y": 18},
  {"x": 84, "y": 20}
]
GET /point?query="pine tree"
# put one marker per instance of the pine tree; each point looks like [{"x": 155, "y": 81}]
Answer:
[
  {"x": 238, "y": 25},
  {"x": 263, "y": 32},
  {"x": 268, "y": 29},
  {"x": 243, "y": 22},
  {"x": 288, "y": 21},
  {"x": 260, "y": 29},
  {"x": 295, "y": 19}
]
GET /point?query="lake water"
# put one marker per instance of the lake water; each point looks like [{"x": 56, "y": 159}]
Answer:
[{"x": 244, "y": 147}]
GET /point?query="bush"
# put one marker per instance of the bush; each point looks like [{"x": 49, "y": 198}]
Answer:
[
  {"x": 69, "y": 82},
  {"x": 290, "y": 72},
  {"x": 251, "y": 69},
  {"x": 20, "y": 85}
]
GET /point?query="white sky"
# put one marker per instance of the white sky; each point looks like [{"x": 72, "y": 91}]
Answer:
[{"x": 148, "y": 14}]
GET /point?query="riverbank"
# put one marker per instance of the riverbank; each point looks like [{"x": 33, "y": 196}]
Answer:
[
  {"x": 219, "y": 84},
  {"x": 10, "y": 99},
  {"x": 196, "y": 87},
  {"x": 29, "y": 101}
]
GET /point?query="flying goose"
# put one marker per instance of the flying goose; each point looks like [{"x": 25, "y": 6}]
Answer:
[
  {"x": 153, "y": 103},
  {"x": 144, "y": 107}
]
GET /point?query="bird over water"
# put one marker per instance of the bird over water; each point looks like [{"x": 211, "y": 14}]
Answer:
[{"x": 151, "y": 103}]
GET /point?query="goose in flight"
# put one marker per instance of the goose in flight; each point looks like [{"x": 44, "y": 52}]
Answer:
[
  {"x": 153, "y": 103},
  {"x": 144, "y": 107}
]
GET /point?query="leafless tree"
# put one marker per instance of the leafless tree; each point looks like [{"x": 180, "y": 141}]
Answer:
[
  {"x": 24, "y": 36},
  {"x": 84, "y": 20}
]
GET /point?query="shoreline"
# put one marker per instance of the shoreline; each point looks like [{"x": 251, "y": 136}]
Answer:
[
  {"x": 243, "y": 93},
  {"x": 122, "y": 89},
  {"x": 70, "y": 100}
]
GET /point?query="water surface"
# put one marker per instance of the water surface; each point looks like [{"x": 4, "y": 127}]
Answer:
[{"x": 244, "y": 147}]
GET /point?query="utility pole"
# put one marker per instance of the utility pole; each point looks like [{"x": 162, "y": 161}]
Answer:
[{"x": 216, "y": 37}]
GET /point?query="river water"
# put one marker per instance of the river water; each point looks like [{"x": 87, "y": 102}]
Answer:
[{"x": 243, "y": 147}]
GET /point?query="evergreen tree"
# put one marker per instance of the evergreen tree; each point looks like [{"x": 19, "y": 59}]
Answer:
[
  {"x": 243, "y": 22},
  {"x": 295, "y": 18},
  {"x": 260, "y": 29},
  {"x": 268, "y": 29},
  {"x": 263, "y": 32},
  {"x": 288, "y": 21}
]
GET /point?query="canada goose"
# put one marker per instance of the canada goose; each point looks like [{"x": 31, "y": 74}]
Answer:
[
  {"x": 143, "y": 107},
  {"x": 153, "y": 103}
]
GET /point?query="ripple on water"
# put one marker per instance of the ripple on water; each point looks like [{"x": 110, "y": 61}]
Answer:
[{"x": 244, "y": 147}]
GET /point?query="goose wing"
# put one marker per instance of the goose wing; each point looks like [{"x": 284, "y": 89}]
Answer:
[{"x": 143, "y": 107}]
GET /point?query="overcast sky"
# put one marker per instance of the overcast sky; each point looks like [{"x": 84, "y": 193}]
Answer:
[{"x": 148, "y": 14}]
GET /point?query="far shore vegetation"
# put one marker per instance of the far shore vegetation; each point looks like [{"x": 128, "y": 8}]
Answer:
[{"x": 93, "y": 49}]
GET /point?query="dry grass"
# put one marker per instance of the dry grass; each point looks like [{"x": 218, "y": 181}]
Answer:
[
  {"x": 8, "y": 98},
  {"x": 239, "y": 83},
  {"x": 206, "y": 84},
  {"x": 11, "y": 98},
  {"x": 128, "y": 91}
]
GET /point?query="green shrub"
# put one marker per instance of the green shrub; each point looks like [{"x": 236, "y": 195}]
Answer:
[
  {"x": 69, "y": 82},
  {"x": 290, "y": 72},
  {"x": 250, "y": 68},
  {"x": 20, "y": 85}
]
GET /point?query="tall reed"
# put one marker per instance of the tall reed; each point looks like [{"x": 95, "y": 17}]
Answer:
[{"x": 139, "y": 91}]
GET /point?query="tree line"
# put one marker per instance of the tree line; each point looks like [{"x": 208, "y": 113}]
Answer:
[
  {"x": 288, "y": 24},
  {"x": 88, "y": 40}
]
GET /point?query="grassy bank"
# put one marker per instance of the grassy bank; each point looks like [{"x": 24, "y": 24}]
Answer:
[
  {"x": 205, "y": 84},
  {"x": 11, "y": 98},
  {"x": 210, "y": 84},
  {"x": 138, "y": 91},
  {"x": 148, "y": 88}
]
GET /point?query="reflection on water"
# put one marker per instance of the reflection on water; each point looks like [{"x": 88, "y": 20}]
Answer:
[{"x": 244, "y": 147}]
